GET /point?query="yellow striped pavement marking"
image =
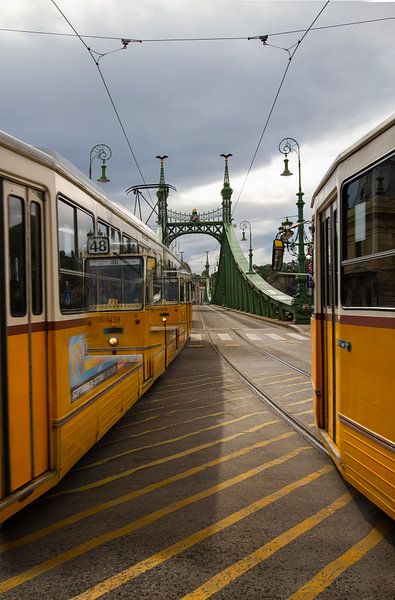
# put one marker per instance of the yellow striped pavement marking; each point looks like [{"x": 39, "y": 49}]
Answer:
[
  {"x": 282, "y": 380},
  {"x": 183, "y": 408},
  {"x": 305, "y": 412},
  {"x": 50, "y": 529},
  {"x": 225, "y": 577},
  {"x": 171, "y": 551},
  {"x": 134, "y": 423},
  {"x": 328, "y": 574},
  {"x": 186, "y": 402},
  {"x": 309, "y": 388},
  {"x": 301, "y": 402},
  {"x": 187, "y": 387},
  {"x": 191, "y": 391},
  {"x": 156, "y": 429},
  {"x": 9, "y": 584},
  {"x": 173, "y": 440},
  {"x": 165, "y": 459},
  {"x": 190, "y": 381}
]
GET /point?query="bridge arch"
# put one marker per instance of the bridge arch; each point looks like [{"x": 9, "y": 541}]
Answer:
[{"x": 233, "y": 285}]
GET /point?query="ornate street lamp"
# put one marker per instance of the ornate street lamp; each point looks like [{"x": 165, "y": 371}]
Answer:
[
  {"x": 302, "y": 299},
  {"x": 243, "y": 226},
  {"x": 103, "y": 152}
]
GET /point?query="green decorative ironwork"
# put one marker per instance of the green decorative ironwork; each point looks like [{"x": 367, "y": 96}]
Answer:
[{"x": 234, "y": 284}]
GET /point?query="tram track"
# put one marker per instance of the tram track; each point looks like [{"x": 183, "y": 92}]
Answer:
[
  {"x": 287, "y": 416},
  {"x": 273, "y": 356}
]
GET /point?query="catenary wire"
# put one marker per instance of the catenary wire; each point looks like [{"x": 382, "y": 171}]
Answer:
[
  {"x": 295, "y": 48},
  {"x": 106, "y": 88},
  {"x": 193, "y": 39}
]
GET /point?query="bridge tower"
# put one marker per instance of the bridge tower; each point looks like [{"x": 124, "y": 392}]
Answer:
[
  {"x": 162, "y": 195},
  {"x": 226, "y": 193}
]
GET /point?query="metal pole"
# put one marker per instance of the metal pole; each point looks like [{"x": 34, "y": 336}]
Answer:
[{"x": 301, "y": 300}]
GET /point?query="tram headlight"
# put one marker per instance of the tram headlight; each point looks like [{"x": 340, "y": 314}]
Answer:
[{"x": 113, "y": 341}]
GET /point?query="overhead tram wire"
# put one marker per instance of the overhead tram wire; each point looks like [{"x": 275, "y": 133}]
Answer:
[
  {"x": 193, "y": 39},
  {"x": 91, "y": 54},
  {"x": 291, "y": 55}
]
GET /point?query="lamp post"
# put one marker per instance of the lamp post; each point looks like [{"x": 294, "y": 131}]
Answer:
[
  {"x": 103, "y": 152},
  {"x": 301, "y": 300},
  {"x": 243, "y": 226}
]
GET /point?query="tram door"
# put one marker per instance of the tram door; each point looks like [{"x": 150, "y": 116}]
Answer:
[
  {"x": 329, "y": 305},
  {"x": 24, "y": 400}
]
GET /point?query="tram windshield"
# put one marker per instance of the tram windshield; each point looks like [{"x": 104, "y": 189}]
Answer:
[{"x": 114, "y": 283}]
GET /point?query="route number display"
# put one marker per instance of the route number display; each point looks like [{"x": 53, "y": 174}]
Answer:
[{"x": 98, "y": 245}]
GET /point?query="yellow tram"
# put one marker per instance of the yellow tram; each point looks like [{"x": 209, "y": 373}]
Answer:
[
  {"x": 353, "y": 327},
  {"x": 93, "y": 309}
]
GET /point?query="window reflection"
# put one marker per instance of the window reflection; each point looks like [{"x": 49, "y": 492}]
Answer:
[
  {"x": 17, "y": 254},
  {"x": 114, "y": 283},
  {"x": 369, "y": 238}
]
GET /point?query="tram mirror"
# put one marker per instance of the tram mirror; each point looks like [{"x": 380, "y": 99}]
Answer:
[{"x": 277, "y": 255}]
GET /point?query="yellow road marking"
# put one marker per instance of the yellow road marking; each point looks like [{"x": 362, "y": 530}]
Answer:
[
  {"x": 140, "y": 492},
  {"x": 155, "y": 430},
  {"x": 164, "y": 555},
  {"x": 224, "y": 389},
  {"x": 295, "y": 392},
  {"x": 9, "y": 584},
  {"x": 282, "y": 380},
  {"x": 225, "y": 577},
  {"x": 137, "y": 422},
  {"x": 192, "y": 391},
  {"x": 165, "y": 459},
  {"x": 187, "y": 387},
  {"x": 161, "y": 414},
  {"x": 300, "y": 402},
  {"x": 173, "y": 440},
  {"x": 328, "y": 574}
]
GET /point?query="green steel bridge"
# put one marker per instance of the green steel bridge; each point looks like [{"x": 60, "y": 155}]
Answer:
[{"x": 235, "y": 285}]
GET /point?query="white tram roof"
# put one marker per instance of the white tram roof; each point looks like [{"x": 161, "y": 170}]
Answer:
[
  {"x": 57, "y": 162},
  {"x": 343, "y": 156}
]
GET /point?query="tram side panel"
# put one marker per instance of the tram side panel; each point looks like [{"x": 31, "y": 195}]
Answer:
[
  {"x": 353, "y": 329},
  {"x": 63, "y": 383}
]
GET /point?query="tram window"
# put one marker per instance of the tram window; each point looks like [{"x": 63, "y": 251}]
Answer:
[
  {"x": 103, "y": 228},
  {"x": 182, "y": 290},
  {"x": 129, "y": 245},
  {"x": 84, "y": 228},
  {"x": 66, "y": 232},
  {"x": 115, "y": 236},
  {"x": 369, "y": 212},
  {"x": 114, "y": 283},
  {"x": 74, "y": 224},
  {"x": 170, "y": 290},
  {"x": 328, "y": 263},
  {"x": 17, "y": 256},
  {"x": 36, "y": 258},
  {"x": 368, "y": 203}
]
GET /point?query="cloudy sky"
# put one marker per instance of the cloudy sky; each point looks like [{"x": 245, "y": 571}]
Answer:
[{"x": 193, "y": 87}]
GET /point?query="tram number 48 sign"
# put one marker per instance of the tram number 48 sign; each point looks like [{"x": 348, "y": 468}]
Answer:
[{"x": 98, "y": 245}]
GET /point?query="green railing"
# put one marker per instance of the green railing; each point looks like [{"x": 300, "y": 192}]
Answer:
[{"x": 234, "y": 287}]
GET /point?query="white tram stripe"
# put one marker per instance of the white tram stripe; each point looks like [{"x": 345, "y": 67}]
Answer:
[
  {"x": 225, "y": 337},
  {"x": 275, "y": 336}
]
